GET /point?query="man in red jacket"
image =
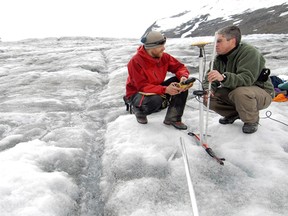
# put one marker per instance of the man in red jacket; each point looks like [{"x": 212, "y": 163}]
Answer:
[{"x": 147, "y": 91}]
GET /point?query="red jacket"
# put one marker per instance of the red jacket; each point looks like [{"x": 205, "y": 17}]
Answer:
[{"x": 145, "y": 74}]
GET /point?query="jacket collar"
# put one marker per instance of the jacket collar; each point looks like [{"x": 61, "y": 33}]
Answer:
[{"x": 143, "y": 53}]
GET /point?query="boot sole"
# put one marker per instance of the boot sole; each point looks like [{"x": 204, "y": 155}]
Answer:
[{"x": 175, "y": 125}]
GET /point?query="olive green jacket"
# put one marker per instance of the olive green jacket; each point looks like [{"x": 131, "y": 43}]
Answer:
[{"x": 242, "y": 68}]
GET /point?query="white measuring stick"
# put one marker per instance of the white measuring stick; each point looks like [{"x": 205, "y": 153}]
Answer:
[
  {"x": 209, "y": 88},
  {"x": 189, "y": 180}
]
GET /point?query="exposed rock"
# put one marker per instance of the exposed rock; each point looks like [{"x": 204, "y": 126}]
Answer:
[{"x": 271, "y": 20}]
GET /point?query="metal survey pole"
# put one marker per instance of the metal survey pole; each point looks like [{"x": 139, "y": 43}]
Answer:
[{"x": 201, "y": 46}]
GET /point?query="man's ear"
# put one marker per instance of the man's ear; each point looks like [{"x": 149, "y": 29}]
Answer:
[{"x": 233, "y": 40}]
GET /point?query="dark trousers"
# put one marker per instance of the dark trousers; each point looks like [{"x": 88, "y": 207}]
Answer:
[{"x": 143, "y": 105}]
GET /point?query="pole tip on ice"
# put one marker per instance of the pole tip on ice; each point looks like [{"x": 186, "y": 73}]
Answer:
[
  {"x": 208, "y": 149},
  {"x": 213, "y": 155}
]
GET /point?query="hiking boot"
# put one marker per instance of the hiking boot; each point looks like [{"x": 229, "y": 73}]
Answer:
[
  {"x": 179, "y": 125},
  {"x": 142, "y": 119},
  {"x": 250, "y": 127},
  {"x": 229, "y": 120}
]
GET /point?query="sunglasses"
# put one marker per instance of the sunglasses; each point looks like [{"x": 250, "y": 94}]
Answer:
[{"x": 161, "y": 42}]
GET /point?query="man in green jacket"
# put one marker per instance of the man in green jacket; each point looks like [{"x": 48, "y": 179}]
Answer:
[{"x": 240, "y": 83}]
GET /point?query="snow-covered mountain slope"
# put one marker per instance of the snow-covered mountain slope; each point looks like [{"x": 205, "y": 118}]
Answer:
[{"x": 203, "y": 19}]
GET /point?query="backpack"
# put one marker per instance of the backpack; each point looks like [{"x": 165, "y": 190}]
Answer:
[{"x": 276, "y": 81}]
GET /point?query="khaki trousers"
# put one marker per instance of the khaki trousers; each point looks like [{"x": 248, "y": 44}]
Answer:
[{"x": 245, "y": 101}]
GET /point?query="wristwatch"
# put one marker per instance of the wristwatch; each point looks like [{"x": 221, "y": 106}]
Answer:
[{"x": 224, "y": 78}]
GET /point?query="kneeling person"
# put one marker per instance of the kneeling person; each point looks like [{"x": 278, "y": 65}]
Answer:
[
  {"x": 240, "y": 83},
  {"x": 146, "y": 88}
]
